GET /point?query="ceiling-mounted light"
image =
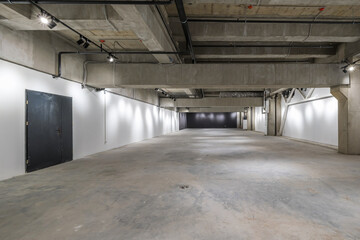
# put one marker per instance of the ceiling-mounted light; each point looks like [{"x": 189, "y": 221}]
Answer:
[
  {"x": 43, "y": 18},
  {"x": 52, "y": 23},
  {"x": 86, "y": 44},
  {"x": 351, "y": 68},
  {"x": 80, "y": 41},
  {"x": 110, "y": 58}
]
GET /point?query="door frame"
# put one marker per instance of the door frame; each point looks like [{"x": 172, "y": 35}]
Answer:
[{"x": 27, "y": 126}]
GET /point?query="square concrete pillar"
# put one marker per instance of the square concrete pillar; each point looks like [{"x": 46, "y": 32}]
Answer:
[
  {"x": 274, "y": 116},
  {"x": 251, "y": 119},
  {"x": 349, "y": 115}
]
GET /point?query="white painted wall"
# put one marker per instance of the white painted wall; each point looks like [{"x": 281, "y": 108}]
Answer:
[
  {"x": 315, "y": 121},
  {"x": 260, "y": 120},
  {"x": 127, "y": 120}
]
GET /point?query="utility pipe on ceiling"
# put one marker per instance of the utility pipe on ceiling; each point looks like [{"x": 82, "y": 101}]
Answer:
[
  {"x": 270, "y": 21},
  {"x": 183, "y": 19},
  {"x": 153, "y": 2}
]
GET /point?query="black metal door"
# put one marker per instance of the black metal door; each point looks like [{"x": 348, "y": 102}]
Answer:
[{"x": 48, "y": 131}]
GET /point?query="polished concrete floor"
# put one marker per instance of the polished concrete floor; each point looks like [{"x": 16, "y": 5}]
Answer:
[{"x": 193, "y": 184}]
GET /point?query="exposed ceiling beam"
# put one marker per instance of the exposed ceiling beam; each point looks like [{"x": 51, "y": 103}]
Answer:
[
  {"x": 212, "y": 102},
  {"x": 216, "y": 75},
  {"x": 212, "y": 109},
  {"x": 264, "y": 52},
  {"x": 267, "y": 32}
]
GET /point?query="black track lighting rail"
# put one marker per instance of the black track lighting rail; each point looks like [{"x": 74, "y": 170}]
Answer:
[
  {"x": 87, "y": 40},
  {"x": 184, "y": 23},
  {"x": 88, "y": 2}
]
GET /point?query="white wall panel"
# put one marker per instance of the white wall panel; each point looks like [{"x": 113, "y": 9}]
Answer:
[
  {"x": 127, "y": 120},
  {"x": 315, "y": 121},
  {"x": 260, "y": 120}
]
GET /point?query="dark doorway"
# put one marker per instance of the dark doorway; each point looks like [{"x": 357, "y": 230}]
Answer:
[
  {"x": 48, "y": 130},
  {"x": 211, "y": 120}
]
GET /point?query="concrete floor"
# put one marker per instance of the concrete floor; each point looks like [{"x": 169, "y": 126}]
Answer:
[{"x": 242, "y": 185}]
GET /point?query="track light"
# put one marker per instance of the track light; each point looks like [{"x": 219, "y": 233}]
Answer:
[
  {"x": 110, "y": 58},
  {"x": 43, "y": 18},
  {"x": 351, "y": 68},
  {"x": 80, "y": 41},
  {"x": 86, "y": 44},
  {"x": 344, "y": 70},
  {"x": 52, "y": 24}
]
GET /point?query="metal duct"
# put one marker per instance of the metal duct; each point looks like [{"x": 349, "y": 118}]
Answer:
[{"x": 241, "y": 94}]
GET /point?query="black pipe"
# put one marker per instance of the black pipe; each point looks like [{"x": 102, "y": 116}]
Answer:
[
  {"x": 153, "y": 2},
  {"x": 270, "y": 21},
  {"x": 183, "y": 19},
  {"x": 261, "y": 46}
]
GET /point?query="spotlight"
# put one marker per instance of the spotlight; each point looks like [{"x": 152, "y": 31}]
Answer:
[
  {"x": 80, "y": 41},
  {"x": 344, "y": 70},
  {"x": 110, "y": 58},
  {"x": 86, "y": 44},
  {"x": 52, "y": 24},
  {"x": 351, "y": 68},
  {"x": 43, "y": 18}
]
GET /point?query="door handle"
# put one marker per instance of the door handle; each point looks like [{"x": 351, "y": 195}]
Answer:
[{"x": 58, "y": 131}]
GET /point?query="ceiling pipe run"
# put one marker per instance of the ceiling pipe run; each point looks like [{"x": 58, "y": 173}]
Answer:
[
  {"x": 261, "y": 46},
  {"x": 270, "y": 21},
  {"x": 184, "y": 23},
  {"x": 88, "y": 2}
]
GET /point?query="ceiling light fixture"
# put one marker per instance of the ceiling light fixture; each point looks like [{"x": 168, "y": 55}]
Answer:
[
  {"x": 351, "y": 68},
  {"x": 52, "y": 24},
  {"x": 110, "y": 58},
  {"x": 43, "y": 18},
  {"x": 86, "y": 44},
  {"x": 80, "y": 41}
]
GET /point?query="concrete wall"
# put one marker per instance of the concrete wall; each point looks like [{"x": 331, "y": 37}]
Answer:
[
  {"x": 127, "y": 120},
  {"x": 315, "y": 121},
  {"x": 260, "y": 120}
]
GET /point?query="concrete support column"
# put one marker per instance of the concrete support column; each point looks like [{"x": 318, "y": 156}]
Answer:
[
  {"x": 242, "y": 120},
  {"x": 251, "y": 119},
  {"x": 349, "y": 115},
  {"x": 274, "y": 116}
]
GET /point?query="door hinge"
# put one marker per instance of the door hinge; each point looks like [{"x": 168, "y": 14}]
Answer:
[
  {"x": 27, "y": 161},
  {"x": 27, "y": 101},
  {"x": 27, "y": 123}
]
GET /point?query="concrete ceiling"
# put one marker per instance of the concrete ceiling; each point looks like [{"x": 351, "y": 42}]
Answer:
[{"x": 158, "y": 28}]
